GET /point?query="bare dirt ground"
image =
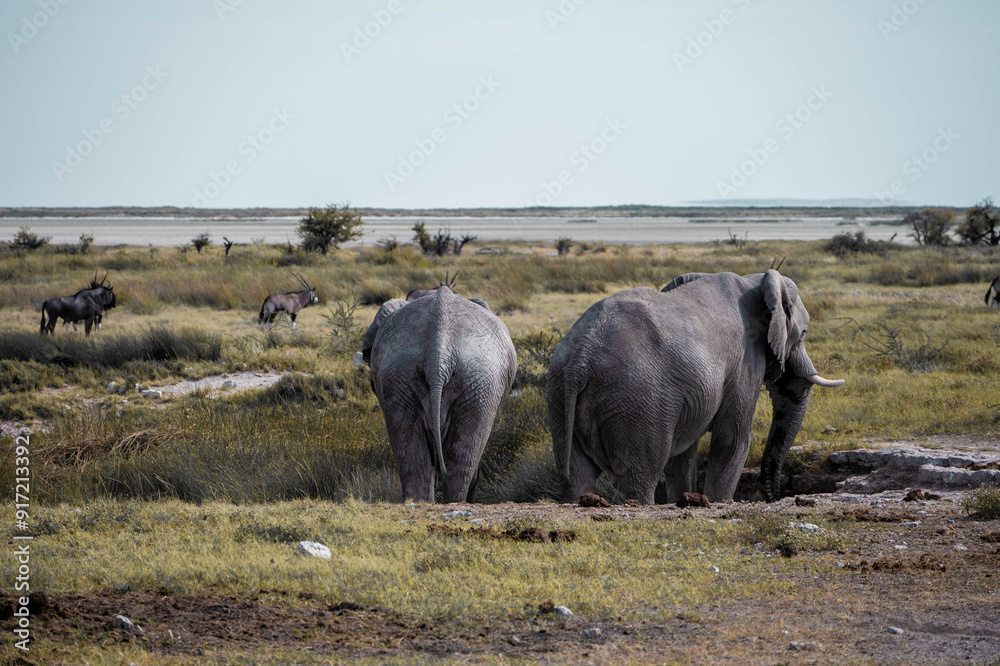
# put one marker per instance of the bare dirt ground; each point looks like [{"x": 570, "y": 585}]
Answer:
[{"x": 940, "y": 592}]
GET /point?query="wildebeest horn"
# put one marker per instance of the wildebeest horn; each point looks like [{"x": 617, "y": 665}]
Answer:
[{"x": 105, "y": 279}]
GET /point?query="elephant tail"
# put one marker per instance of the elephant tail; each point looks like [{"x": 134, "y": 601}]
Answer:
[
  {"x": 990, "y": 288},
  {"x": 437, "y": 389},
  {"x": 42, "y": 329},
  {"x": 571, "y": 392},
  {"x": 260, "y": 317}
]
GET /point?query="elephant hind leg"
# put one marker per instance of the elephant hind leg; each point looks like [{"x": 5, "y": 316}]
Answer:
[
  {"x": 680, "y": 475},
  {"x": 583, "y": 474}
]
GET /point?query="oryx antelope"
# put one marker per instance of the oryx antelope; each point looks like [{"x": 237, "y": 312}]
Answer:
[
  {"x": 289, "y": 303},
  {"x": 87, "y": 305},
  {"x": 417, "y": 293}
]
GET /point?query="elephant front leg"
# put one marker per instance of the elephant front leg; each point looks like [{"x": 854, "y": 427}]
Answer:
[
  {"x": 680, "y": 475},
  {"x": 727, "y": 453}
]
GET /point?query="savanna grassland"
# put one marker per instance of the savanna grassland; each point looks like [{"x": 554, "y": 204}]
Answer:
[{"x": 183, "y": 512}]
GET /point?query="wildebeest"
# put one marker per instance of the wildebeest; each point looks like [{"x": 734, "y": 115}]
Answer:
[
  {"x": 87, "y": 305},
  {"x": 995, "y": 289},
  {"x": 289, "y": 303},
  {"x": 417, "y": 293}
]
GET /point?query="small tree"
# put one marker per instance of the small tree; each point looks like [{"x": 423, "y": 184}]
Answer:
[
  {"x": 228, "y": 244},
  {"x": 201, "y": 241},
  {"x": 563, "y": 246},
  {"x": 982, "y": 224},
  {"x": 458, "y": 243},
  {"x": 328, "y": 227},
  {"x": 930, "y": 226},
  {"x": 422, "y": 238},
  {"x": 86, "y": 240},
  {"x": 26, "y": 240}
]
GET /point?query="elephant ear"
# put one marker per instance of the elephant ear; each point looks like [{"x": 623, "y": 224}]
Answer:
[
  {"x": 775, "y": 299},
  {"x": 480, "y": 302},
  {"x": 683, "y": 279},
  {"x": 388, "y": 308}
]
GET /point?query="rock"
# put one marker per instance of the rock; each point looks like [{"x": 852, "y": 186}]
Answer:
[
  {"x": 359, "y": 359},
  {"x": 152, "y": 393},
  {"x": 900, "y": 547},
  {"x": 713, "y": 569},
  {"x": 456, "y": 514},
  {"x": 313, "y": 549},
  {"x": 229, "y": 383},
  {"x": 693, "y": 499},
  {"x": 802, "y": 646},
  {"x": 958, "y": 547},
  {"x": 592, "y": 500},
  {"x": 910, "y": 523},
  {"x": 562, "y": 611},
  {"x": 594, "y": 632},
  {"x": 514, "y": 640},
  {"x": 477, "y": 521},
  {"x": 895, "y": 630},
  {"x": 112, "y": 387},
  {"x": 122, "y": 622},
  {"x": 806, "y": 527}
]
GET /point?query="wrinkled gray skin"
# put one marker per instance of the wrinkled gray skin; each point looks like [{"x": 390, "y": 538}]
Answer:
[
  {"x": 644, "y": 374},
  {"x": 441, "y": 367}
]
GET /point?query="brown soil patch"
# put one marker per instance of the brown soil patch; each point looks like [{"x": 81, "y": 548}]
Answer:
[{"x": 529, "y": 534}]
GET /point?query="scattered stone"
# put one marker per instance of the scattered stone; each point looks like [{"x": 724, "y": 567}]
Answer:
[
  {"x": 594, "y": 632},
  {"x": 910, "y": 523},
  {"x": 152, "y": 393},
  {"x": 359, "y": 359},
  {"x": 895, "y": 630},
  {"x": 693, "y": 499},
  {"x": 806, "y": 527},
  {"x": 229, "y": 383},
  {"x": 900, "y": 547},
  {"x": 803, "y": 646},
  {"x": 313, "y": 549},
  {"x": 713, "y": 569},
  {"x": 122, "y": 622},
  {"x": 514, "y": 640},
  {"x": 477, "y": 521},
  {"x": 592, "y": 500},
  {"x": 959, "y": 547},
  {"x": 789, "y": 550},
  {"x": 562, "y": 611},
  {"x": 456, "y": 514},
  {"x": 801, "y": 501},
  {"x": 112, "y": 387},
  {"x": 632, "y": 502}
]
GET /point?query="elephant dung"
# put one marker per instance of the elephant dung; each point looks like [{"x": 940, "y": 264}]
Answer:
[
  {"x": 693, "y": 499},
  {"x": 593, "y": 500}
]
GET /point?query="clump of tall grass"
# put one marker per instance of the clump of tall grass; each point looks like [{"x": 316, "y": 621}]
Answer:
[{"x": 983, "y": 503}]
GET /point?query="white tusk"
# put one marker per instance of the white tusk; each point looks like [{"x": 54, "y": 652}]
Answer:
[{"x": 827, "y": 383}]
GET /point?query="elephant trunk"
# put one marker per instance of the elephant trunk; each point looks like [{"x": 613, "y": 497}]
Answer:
[{"x": 789, "y": 399}]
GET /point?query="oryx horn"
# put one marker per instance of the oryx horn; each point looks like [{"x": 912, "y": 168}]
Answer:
[{"x": 778, "y": 267}]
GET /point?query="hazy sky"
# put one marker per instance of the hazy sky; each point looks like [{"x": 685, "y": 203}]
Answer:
[{"x": 445, "y": 103}]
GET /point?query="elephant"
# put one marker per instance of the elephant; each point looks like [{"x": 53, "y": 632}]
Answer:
[
  {"x": 441, "y": 366},
  {"x": 995, "y": 289},
  {"x": 642, "y": 375}
]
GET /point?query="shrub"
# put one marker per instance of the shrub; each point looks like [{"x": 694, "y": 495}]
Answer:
[
  {"x": 847, "y": 243},
  {"x": 201, "y": 241},
  {"x": 27, "y": 241},
  {"x": 563, "y": 246},
  {"x": 322, "y": 228},
  {"x": 982, "y": 224},
  {"x": 983, "y": 503},
  {"x": 930, "y": 226},
  {"x": 86, "y": 240}
]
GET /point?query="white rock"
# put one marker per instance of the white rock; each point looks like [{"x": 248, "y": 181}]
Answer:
[
  {"x": 152, "y": 393},
  {"x": 806, "y": 527},
  {"x": 594, "y": 632},
  {"x": 112, "y": 387},
  {"x": 229, "y": 383},
  {"x": 802, "y": 646},
  {"x": 313, "y": 549},
  {"x": 359, "y": 359},
  {"x": 456, "y": 514},
  {"x": 562, "y": 611},
  {"x": 959, "y": 547},
  {"x": 122, "y": 622},
  {"x": 713, "y": 569},
  {"x": 912, "y": 523},
  {"x": 477, "y": 521},
  {"x": 895, "y": 630},
  {"x": 900, "y": 547}
]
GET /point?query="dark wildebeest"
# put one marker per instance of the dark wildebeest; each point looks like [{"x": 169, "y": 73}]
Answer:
[
  {"x": 87, "y": 305},
  {"x": 995, "y": 289},
  {"x": 289, "y": 303},
  {"x": 417, "y": 293}
]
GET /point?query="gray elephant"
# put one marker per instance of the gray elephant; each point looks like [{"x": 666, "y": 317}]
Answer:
[
  {"x": 441, "y": 366},
  {"x": 642, "y": 375}
]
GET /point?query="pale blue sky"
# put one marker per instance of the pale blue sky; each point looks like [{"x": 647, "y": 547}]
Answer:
[{"x": 329, "y": 127}]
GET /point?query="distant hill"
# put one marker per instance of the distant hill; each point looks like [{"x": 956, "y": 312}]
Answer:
[{"x": 727, "y": 209}]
